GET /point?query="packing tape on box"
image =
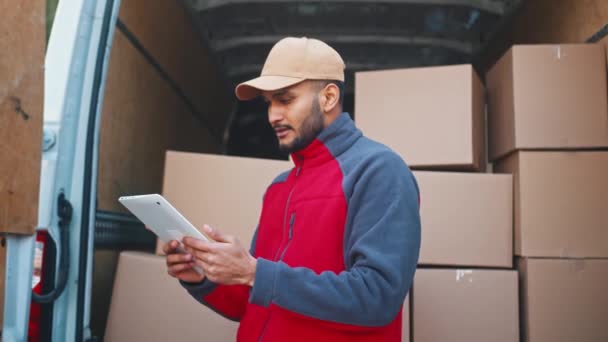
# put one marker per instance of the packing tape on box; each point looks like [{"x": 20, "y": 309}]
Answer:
[
  {"x": 558, "y": 52},
  {"x": 464, "y": 275},
  {"x": 577, "y": 265}
]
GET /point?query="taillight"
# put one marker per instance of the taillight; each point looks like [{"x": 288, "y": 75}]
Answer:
[{"x": 42, "y": 239}]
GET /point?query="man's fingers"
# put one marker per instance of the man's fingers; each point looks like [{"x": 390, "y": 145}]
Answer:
[
  {"x": 206, "y": 257},
  {"x": 209, "y": 270},
  {"x": 199, "y": 245},
  {"x": 166, "y": 248},
  {"x": 178, "y": 258},
  {"x": 171, "y": 247},
  {"x": 176, "y": 269}
]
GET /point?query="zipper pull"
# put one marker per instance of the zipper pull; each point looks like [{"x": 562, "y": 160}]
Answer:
[
  {"x": 301, "y": 159},
  {"x": 291, "y": 222}
]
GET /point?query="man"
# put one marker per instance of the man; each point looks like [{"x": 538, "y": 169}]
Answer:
[{"x": 338, "y": 239}]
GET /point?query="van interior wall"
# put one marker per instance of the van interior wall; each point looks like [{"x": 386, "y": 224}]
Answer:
[
  {"x": 163, "y": 91},
  {"x": 105, "y": 263},
  {"x": 174, "y": 101},
  {"x": 549, "y": 22},
  {"x": 559, "y": 21},
  {"x": 142, "y": 117}
]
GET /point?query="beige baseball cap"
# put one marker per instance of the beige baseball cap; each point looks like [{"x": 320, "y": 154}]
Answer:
[{"x": 291, "y": 61}]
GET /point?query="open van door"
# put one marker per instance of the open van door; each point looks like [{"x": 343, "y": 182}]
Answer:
[{"x": 74, "y": 76}]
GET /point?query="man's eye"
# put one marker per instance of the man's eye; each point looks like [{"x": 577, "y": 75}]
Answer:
[{"x": 284, "y": 101}]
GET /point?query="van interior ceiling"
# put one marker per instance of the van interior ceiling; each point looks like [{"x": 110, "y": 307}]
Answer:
[{"x": 174, "y": 64}]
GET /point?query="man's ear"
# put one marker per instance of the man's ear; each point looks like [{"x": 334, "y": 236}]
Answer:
[{"x": 330, "y": 97}]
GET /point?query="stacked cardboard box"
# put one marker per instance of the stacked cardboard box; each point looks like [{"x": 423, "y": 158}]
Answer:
[
  {"x": 148, "y": 305},
  {"x": 548, "y": 121},
  {"x": 466, "y": 219},
  {"x": 465, "y": 305},
  {"x": 434, "y": 118}
]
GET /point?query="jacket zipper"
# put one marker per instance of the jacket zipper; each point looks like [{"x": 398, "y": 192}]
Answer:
[
  {"x": 276, "y": 254},
  {"x": 290, "y": 235},
  {"x": 291, "y": 222}
]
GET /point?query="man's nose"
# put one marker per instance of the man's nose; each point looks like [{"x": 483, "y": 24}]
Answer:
[{"x": 274, "y": 114}]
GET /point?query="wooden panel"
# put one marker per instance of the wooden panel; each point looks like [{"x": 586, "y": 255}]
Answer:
[
  {"x": 142, "y": 117},
  {"x": 167, "y": 31},
  {"x": 22, "y": 34}
]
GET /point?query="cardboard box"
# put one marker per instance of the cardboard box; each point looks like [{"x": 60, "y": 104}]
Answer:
[
  {"x": 561, "y": 203},
  {"x": 465, "y": 305},
  {"x": 564, "y": 300},
  {"x": 433, "y": 116},
  {"x": 148, "y": 305},
  {"x": 467, "y": 219},
  {"x": 224, "y": 192},
  {"x": 547, "y": 96}
]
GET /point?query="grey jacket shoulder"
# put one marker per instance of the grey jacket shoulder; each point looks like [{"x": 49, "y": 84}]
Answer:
[
  {"x": 280, "y": 178},
  {"x": 367, "y": 155}
]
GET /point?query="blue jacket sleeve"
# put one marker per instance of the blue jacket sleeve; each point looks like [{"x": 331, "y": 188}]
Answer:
[{"x": 382, "y": 243}]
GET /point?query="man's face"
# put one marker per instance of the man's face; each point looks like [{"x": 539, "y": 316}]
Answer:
[{"x": 295, "y": 115}]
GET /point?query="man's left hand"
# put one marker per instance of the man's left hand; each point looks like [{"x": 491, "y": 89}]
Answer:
[{"x": 224, "y": 261}]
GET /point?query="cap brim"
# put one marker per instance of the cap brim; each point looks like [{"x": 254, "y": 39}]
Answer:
[{"x": 254, "y": 88}]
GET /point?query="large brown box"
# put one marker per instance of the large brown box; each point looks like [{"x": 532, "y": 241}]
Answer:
[
  {"x": 561, "y": 203},
  {"x": 564, "y": 300},
  {"x": 547, "y": 96},
  {"x": 459, "y": 305},
  {"x": 434, "y": 117},
  {"x": 224, "y": 192},
  {"x": 467, "y": 219},
  {"x": 148, "y": 305}
]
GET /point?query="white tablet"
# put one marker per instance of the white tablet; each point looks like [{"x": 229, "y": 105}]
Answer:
[{"x": 161, "y": 217}]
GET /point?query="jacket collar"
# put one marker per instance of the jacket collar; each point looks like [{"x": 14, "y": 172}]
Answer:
[{"x": 330, "y": 143}]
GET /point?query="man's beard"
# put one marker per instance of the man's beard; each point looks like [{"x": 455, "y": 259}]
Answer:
[{"x": 309, "y": 130}]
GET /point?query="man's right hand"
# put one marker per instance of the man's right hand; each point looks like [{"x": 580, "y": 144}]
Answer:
[{"x": 181, "y": 265}]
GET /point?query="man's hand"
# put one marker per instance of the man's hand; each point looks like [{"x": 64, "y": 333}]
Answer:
[
  {"x": 180, "y": 265},
  {"x": 224, "y": 261}
]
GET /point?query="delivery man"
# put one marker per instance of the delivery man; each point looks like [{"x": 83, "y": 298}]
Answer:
[{"x": 336, "y": 247}]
